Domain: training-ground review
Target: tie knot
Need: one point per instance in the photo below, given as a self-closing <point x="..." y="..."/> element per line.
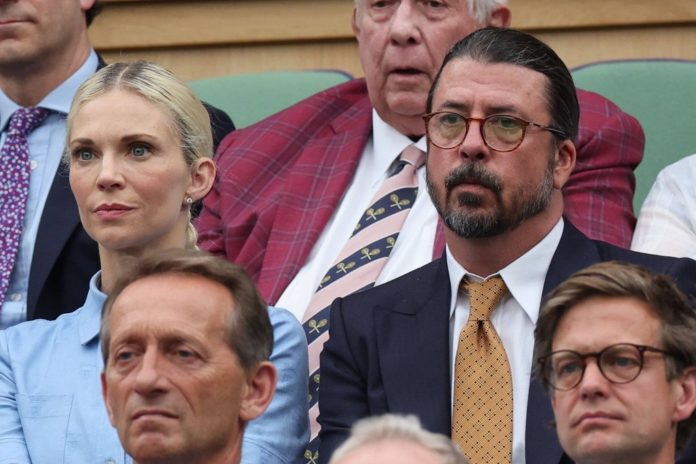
<point x="484" y="296"/>
<point x="24" y="120"/>
<point x="413" y="156"/>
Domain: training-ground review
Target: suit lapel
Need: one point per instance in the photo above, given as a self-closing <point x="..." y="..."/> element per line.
<point x="574" y="252"/>
<point x="413" y="347"/>
<point x="59" y="220"/>
<point x="344" y="139"/>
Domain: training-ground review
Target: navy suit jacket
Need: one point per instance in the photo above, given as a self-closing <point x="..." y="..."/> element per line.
<point x="389" y="348"/>
<point x="65" y="257"/>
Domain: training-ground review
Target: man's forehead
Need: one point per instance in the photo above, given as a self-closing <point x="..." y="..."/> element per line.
<point x="162" y="334"/>
<point x="173" y="296"/>
<point x="166" y="326"/>
<point x="601" y="318"/>
<point x="629" y="307"/>
<point x="498" y="85"/>
<point x="482" y="70"/>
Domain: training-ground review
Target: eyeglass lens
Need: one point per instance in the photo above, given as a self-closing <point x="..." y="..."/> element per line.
<point x="618" y="363"/>
<point x="499" y="132"/>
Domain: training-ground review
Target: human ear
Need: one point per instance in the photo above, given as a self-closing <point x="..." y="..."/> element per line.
<point x="105" y="389"/>
<point x="500" y="17"/>
<point x="354" y="23"/>
<point x="261" y="385"/>
<point x="686" y="399"/>
<point x="564" y="163"/>
<point x="202" y="178"/>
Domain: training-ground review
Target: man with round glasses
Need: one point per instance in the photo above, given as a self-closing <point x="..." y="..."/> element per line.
<point x="617" y="348"/>
<point x="452" y="342"/>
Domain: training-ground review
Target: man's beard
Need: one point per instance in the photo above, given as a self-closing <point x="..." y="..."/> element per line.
<point x="471" y="224"/>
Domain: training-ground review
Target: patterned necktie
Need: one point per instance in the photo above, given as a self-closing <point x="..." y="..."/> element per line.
<point x="14" y="187"/>
<point x="482" y="417"/>
<point x="359" y="264"/>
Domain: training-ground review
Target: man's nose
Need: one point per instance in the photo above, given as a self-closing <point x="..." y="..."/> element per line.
<point x="404" y="24"/>
<point x="148" y="378"/>
<point x="473" y="145"/>
<point x="593" y="382"/>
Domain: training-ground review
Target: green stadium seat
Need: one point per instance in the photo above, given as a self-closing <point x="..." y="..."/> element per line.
<point x="661" y="94"/>
<point x="248" y="98"/>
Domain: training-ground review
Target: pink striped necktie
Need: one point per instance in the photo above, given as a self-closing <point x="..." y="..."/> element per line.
<point x="14" y="187"/>
<point x="358" y="265"/>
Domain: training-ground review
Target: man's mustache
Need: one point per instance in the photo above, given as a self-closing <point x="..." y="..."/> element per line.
<point x="472" y="173"/>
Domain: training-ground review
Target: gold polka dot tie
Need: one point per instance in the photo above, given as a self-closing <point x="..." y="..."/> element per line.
<point x="482" y="417"/>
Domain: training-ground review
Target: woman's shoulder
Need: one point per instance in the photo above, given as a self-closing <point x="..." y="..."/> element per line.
<point x="287" y="330"/>
<point x="81" y="324"/>
<point x="28" y="338"/>
<point x="42" y="325"/>
<point x="282" y="319"/>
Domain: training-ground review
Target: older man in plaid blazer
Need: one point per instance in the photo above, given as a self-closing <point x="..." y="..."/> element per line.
<point x="287" y="183"/>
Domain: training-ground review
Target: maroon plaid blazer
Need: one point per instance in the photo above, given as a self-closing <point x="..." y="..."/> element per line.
<point x="280" y="180"/>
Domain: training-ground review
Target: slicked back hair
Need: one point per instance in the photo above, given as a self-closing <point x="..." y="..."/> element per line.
<point x="503" y="45"/>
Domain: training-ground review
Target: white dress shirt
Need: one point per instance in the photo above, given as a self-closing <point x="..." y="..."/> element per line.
<point x="46" y="145"/>
<point x="514" y="319"/>
<point x="414" y="246"/>
<point x="667" y="220"/>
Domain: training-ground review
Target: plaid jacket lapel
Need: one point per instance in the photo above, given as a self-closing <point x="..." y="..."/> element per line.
<point x="311" y="194"/>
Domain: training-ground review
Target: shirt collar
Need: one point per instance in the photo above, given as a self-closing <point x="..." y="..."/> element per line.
<point x="90" y="314"/>
<point x="523" y="277"/>
<point x="60" y="98"/>
<point x="389" y="142"/>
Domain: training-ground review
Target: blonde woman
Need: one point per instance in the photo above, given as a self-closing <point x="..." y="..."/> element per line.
<point x="139" y="149"/>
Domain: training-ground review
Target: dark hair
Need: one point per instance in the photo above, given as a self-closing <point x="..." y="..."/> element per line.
<point x="248" y="327"/>
<point x="502" y="45"/>
<point x="615" y="279"/>
<point x="93" y="11"/>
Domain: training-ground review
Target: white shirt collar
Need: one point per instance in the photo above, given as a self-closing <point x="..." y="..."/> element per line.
<point x="523" y="277"/>
<point x="389" y="142"/>
<point x="60" y="98"/>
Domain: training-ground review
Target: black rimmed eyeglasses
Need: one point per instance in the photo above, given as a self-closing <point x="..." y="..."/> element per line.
<point x="620" y="363"/>
<point x="500" y="132"/>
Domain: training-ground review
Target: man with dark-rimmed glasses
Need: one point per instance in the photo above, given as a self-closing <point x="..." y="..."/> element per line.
<point x="452" y="342"/>
<point x="616" y="348"/>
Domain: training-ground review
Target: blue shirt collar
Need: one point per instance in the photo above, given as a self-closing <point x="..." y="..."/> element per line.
<point x="90" y="313"/>
<point x="60" y="98"/>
